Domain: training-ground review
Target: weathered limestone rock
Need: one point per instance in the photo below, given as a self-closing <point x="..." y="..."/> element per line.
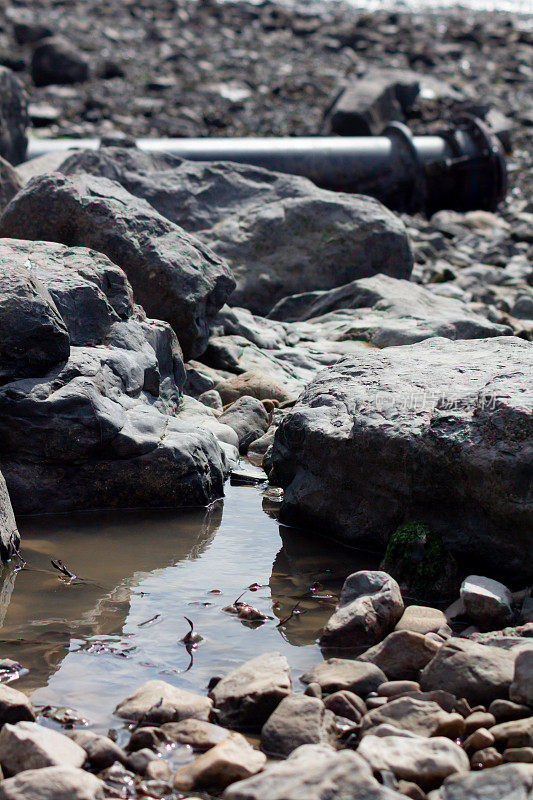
<point x="444" y="429"/>
<point x="427" y="762"/>
<point x="28" y="745"/>
<point x="13" y="118"/>
<point x="369" y="607"/>
<point x="297" y="720"/>
<point x="316" y="772"/>
<point x="422" y="717"/>
<point x="158" y="702"/>
<point x="231" y="760"/>
<point x="247" y="696"/>
<point x="15" y="706"/>
<point x="402" y="654"/>
<point x="487" y="602"/>
<point x="338" y="674"/>
<point x="277" y="232"/>
<point x="478" y="672"/>
<point x="174" y="276"/>
<point x="521" y="689"/>
<point x="52" y="783"/>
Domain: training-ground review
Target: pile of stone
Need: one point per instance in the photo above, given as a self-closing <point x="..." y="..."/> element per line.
<point x="422" y="713"/>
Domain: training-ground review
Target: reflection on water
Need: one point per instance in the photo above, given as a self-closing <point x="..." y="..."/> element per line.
<point x="89" y="641"/>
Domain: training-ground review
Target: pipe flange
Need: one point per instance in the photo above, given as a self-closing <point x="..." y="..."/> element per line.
<point x="402" y="136"/>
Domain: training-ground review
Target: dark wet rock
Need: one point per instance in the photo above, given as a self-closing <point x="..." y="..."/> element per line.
<point x="421" y="420"/>
<point x="297" y="720"/>
<point x="426" y="762"/>
<point x="147" y="737"/>
<point x="233" y="759"/>
<point x="487" y="602"/>
<point x="9" y="535"/>
<point x="10" y="183"/>
<point x="13" y="118"/>
<point x="480" y="673"/>
<point x="248" y="418"/>
<point x="34" y="336"/>
<point x="402" y="654"/>
<point x="52" y="783"/>
<point x="101" y="751"/>
<point x="56" y="60"/>
<point x="521" y="689"/>
<point x="316" y="772"/>
<point x="28" y="32"/>
<point x="337" y="674"/>
<point x="174" y="276"/>
<point x="27" y="745"/>
<point x="498" y="783"/>
<point x="275" y="231"/>
<point x="422" y="717"/>
<point x="369" y="607"/>
<point x="247" y="696"/>
<point x="140" y="760"/>
<point x="158" y="702"/>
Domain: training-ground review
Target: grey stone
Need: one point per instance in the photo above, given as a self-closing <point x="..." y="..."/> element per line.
<point x="422" y="421"/>
<point x="13" y="118"/>
<point x="480" y="673"/>
<point x="57" y="61"/>
<point x="251" y="384"/>
<point x="211" y="399"/>
<point x="27" y="745"/>
<point x="159" y="702"/>
<point x="247" y="696"/>
<point x="506" y="710"/>
<point x="52" y="783"/>
<point x="487" y="602"/>
<point x="297" y="720"/>
<point x="422" y="619"/>
<point x="174" y="276"/>
<point x="422" y="717"/>
<point x="9" y="535"/>
<point x="139" y="761"/>
<point x="248" y="418"/>
<point x="101" y="751"/>
<point x="516" y="733"/>
<point x="10" y="183"/>
<point x="402" y="654"/>
<point x="500" y="783"/>
<point x="15" y="706"/>
<point x="277" y="232"/>
<point x="232" y="760"/>
<point x="337" y="674"/>
<point x="346" y="704"/>
<point x="427" y="762"/>
<point x="518" y="755"/>
<point x="521" y="689"/>
<point x="198" y="734"/>
<point x="369" y="607"/>
<point x="314" y="772"/>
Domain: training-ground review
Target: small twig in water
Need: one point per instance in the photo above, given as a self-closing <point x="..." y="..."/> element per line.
<point x="148" y="621"/>
<point x="62" y="568"/>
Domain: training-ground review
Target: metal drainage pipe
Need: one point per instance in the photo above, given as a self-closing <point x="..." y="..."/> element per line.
<point x="461" y="169"/>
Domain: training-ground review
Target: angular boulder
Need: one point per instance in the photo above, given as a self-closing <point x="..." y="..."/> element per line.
<point x="369" y="607"/>
<point x="28" y="745"/>
<point x="174" y="276"/>
<point x="439" y="431"/>
<point x="487" y="602"/>
<point x="297" y="720"/>
<point x="402" y="654"/>
<point x="277" y="232"/>
<point x="247" y="696"/>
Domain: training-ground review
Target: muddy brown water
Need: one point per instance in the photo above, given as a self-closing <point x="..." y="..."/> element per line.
<point x="88" y="642"/>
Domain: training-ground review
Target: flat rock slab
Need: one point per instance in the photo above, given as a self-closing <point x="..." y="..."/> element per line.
<point x="422" y="619"/>
<point x="247" y="696"/>
<point x="53" y="783"/>
<point x="28" y="745"/>
<point x="174" y="276"/>
<point x="314" y="772"/>
<point x="158" y="702"/>
<point x="444" y="428"/>
<point x="337" y="674"/>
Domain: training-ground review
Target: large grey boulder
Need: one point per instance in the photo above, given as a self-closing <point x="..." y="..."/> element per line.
<point x="247" y="695"/>
<point x="9" y="535"/>
<point x="174" y="276"/>
<point x="440" y="432"/>
<point x="297" y="720"/>
<point x="101" y="427"/>
<point x="13" y="118"/>
<point x="28" y="745"/>
<point x="277" y="232"/>
<point x="500" y="783"/>
<point x="314" y="772"/>
<point x="481" y="673"/>
<point x="369" y="607"/>
<point x="52" y="783"/>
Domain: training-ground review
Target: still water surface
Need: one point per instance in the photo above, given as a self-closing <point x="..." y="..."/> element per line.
<point x="88" y="642"/>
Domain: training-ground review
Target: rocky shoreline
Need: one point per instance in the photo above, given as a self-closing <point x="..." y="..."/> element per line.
<point x="161" y="318"/>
